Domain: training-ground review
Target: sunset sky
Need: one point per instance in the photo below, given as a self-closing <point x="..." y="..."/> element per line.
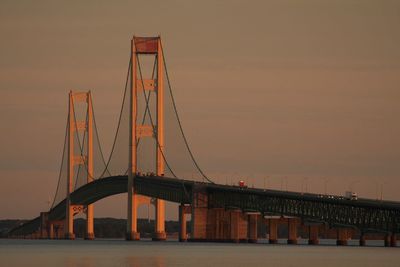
<point x="302" y="89"/>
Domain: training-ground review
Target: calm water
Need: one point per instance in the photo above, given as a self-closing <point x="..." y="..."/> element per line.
<point x="146" y="253"/>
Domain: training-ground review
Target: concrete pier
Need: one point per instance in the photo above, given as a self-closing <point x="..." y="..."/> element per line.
<point x="43" y="225"/>
<point x="218" y="224"/>
<point x="387" y="240"/>
<point x="313" y="231"/>
<point x="159" y="234"/>
<point x="393" y="240"/>
<point x="273" y="230"/>
<point x="199" y="216"/>
<point x="182" y="223"/>
<point x="252" y="228"/>
<point x="132" y="234"/>
<point x="342" y="236"/>
<point x="234" y="226"/>
<point x="69" y="222"/>
<point x="89" y="234"/>
<point x="363" y="241"/>
<point x="51" y="231"/>
<point x="292" y="231"/>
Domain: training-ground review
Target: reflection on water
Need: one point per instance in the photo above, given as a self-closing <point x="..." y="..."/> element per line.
<point x="81" y="253"/>
<point x="158" y="261"/>
<point x="72" y="261"/>
<point x="128" y="261"/>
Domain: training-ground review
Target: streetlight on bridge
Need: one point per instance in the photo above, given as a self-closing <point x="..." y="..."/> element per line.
<point x="326" y="180"/>
<point x="304" y="185"/>
<point x="286" y="182"/>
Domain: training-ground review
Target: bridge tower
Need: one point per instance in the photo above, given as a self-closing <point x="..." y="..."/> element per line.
<point x="73" y="160"/>
<point x="149" y="46"/>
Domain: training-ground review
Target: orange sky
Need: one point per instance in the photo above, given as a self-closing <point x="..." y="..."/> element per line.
<point x="281" y="88"/>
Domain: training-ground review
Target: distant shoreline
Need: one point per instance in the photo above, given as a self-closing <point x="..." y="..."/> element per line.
<point x="104" y="227"/>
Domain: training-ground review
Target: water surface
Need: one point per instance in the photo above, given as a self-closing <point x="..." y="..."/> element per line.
<point x="84" y="253"/>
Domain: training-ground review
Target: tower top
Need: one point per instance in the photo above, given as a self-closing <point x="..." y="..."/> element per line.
<point x="146" y="45"/>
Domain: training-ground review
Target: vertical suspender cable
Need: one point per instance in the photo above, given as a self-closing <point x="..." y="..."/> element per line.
<point x="179" y="121"/>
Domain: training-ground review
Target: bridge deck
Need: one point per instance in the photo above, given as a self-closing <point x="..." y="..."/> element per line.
<point x="364" y="214"/>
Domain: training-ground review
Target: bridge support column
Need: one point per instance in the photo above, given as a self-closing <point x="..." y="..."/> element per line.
<point x="363" y="241"/>
<point x="239" y="226"/>
<point x="252" y="228"/>
<point x="69" y="214"/>
<point x="58" y="231"/>
<point x="43" y="225"/>
<point x="89" y="235"/>
<point x="182" y="223"/>
<point x="342" y="237"/>
<point x="292" y="231"/>
<point x="51" y="231"/>
<point x="393" y="240"/>
<point x="160" y="205"/>
<point x="132" y="233"/>
<point x="74" y="127"/>
<point x="217" y="224"/>
<point x="221" y="229"/>
<point x="199" y="216"/>
<point x="390" y="240"/>
<point x="69" y="222"/>
<point x="160" y="234"/>
<point x="313" y="235"/>
<point x="273" y="230"/>
<point x="199" y="224"/>
<point x="387" y="240"/>
<point x="234" y="219"/>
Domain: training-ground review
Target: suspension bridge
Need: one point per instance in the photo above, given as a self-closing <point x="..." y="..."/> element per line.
<point x="151" y="161"/>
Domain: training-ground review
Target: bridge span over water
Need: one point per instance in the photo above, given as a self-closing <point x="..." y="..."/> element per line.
<point x="364" y="215"/>
<point x="218" y="212"/>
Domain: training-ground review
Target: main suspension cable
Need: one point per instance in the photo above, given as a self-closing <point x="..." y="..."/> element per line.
<point x="98" y="138"/>
<point x="62" y="163"/>
<point x="147" y="97"/>
<point x="151" y="119"/>
<point x="179" y="121"/>
<point x="119" y="120"/>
